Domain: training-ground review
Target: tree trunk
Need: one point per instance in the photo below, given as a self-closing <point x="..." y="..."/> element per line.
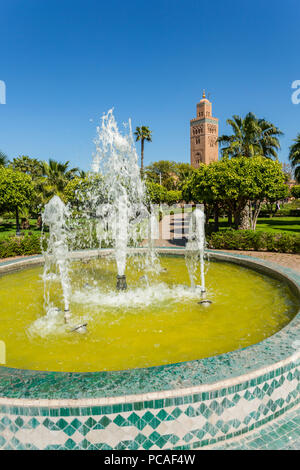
<point x="244" y="218"/>
<point x="256" y="207"/>
<point x="230" y="219"/>
<point x="18" y="233"/>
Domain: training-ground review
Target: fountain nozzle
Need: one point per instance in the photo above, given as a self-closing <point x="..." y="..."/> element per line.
<point x="121" y="282"/>
<point x="67" y="315"/>
<point x="80" y="328"/>
<point x="204" y="300"/>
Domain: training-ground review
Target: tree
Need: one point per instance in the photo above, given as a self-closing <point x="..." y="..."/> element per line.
<point x="162" y="172"/>
<point x="295" y="191"/>
<point x="156" y="192"/>
<point x="230" y="184"/>
<point x="56" y="176"/>
<point x="288" y="172"/>
<point x="16" y="192"/>
<point x="294" y="156"/>
<point x="86" y="193"/>
<point x="34" y="168"/>
<point x="143" y="134"/>
<point x="205" y="187"/>
<point x="28" y="165"/>
<point x="251" y="136"/>
<point x="170" y="174"/>
<point x="3" y="159"/>
<point x="173" y="197"/>
<point x="183" y="171"/>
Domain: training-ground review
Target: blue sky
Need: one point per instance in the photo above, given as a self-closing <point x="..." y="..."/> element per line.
<point x="66" y="62"/>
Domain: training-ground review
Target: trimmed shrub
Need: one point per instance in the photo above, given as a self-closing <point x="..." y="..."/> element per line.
<point x="18" y="246"/>
<point x="247" y="240"/>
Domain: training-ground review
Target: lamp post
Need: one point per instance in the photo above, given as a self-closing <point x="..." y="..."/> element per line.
<point x="18" y="233"/>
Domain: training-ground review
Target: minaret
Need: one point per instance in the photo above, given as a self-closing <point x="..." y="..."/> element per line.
<point x="204" y="134"/>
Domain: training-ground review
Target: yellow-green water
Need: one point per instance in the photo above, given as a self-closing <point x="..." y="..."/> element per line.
<point x="145" y="326"/>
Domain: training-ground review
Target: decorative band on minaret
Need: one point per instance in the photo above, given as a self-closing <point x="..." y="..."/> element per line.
<point x="204" y="134"/>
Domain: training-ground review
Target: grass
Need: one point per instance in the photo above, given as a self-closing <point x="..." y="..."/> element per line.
<point x="274" y="224"/>
<point x="8" y="228"/>
<point x="281" y="224"/>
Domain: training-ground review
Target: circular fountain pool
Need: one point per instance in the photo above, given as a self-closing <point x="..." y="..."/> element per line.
<point x="157" y="321"/>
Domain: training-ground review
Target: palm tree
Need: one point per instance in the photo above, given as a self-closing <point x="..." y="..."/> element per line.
<point x="3" y="159"/>
<point x="143" y="133"/>
<point x="56" y="176"/>
<point x="251" y="136"/>
<point x="82" y="174"/>
<point x="294" y="156"/>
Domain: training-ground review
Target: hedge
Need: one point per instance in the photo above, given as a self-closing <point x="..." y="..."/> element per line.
<point x="284" y="212"/>
<point x="226" y="239"/>
<point x="18" y="246"/>
<point x="258" y="241"/>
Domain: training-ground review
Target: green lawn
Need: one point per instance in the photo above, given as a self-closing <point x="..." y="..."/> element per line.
<point x="274" y="224"/>
<point x="8" y="227"/>
<point x="281" y="224"/>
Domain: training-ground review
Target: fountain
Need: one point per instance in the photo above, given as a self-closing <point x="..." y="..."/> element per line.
<point x="195" y="251"/>
<point x="154" y="369"/>
<point x="57" y="254"/>
<point x="116" y="159"/>
<point x="119" y="203"/>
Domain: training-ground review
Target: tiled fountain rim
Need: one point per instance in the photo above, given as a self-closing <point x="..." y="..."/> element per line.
<point x="206" y="377"/>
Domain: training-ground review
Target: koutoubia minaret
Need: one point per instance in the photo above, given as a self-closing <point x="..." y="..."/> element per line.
<point x="204" y="134"/>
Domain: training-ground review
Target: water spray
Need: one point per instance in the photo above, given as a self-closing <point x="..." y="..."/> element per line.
<point x="195" y="250"/>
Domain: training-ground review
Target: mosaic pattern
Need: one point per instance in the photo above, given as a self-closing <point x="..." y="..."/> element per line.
<point x="185" y="422"/>
<point x="180" y="406"/>
<point x="282" y="434"/>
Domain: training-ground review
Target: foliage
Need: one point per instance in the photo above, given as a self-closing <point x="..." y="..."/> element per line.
<point x="28" y="165"/>
<point x="17" y="246"/>
<point x="183" y="172"/>
<point x="251" y="136"/>
<point x="288" y="172"/>
<point x="294" y="156"/>
<point x="295" y="191"/>
<point x="34" y="168"/>
<point x="143" y="134"/>
<point x="230" y="184"/>
<point x="3" y="159"/>
<point x="162" y="172"/>
<point x="55" y="178"/>
<point x="158" y="194"/>
<point x="250" y="240"/>
<point x="171" y="175"/>
<point x="16" y="189"/>
<point x="78" y="191"/>
<point x="173" y="197"/>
